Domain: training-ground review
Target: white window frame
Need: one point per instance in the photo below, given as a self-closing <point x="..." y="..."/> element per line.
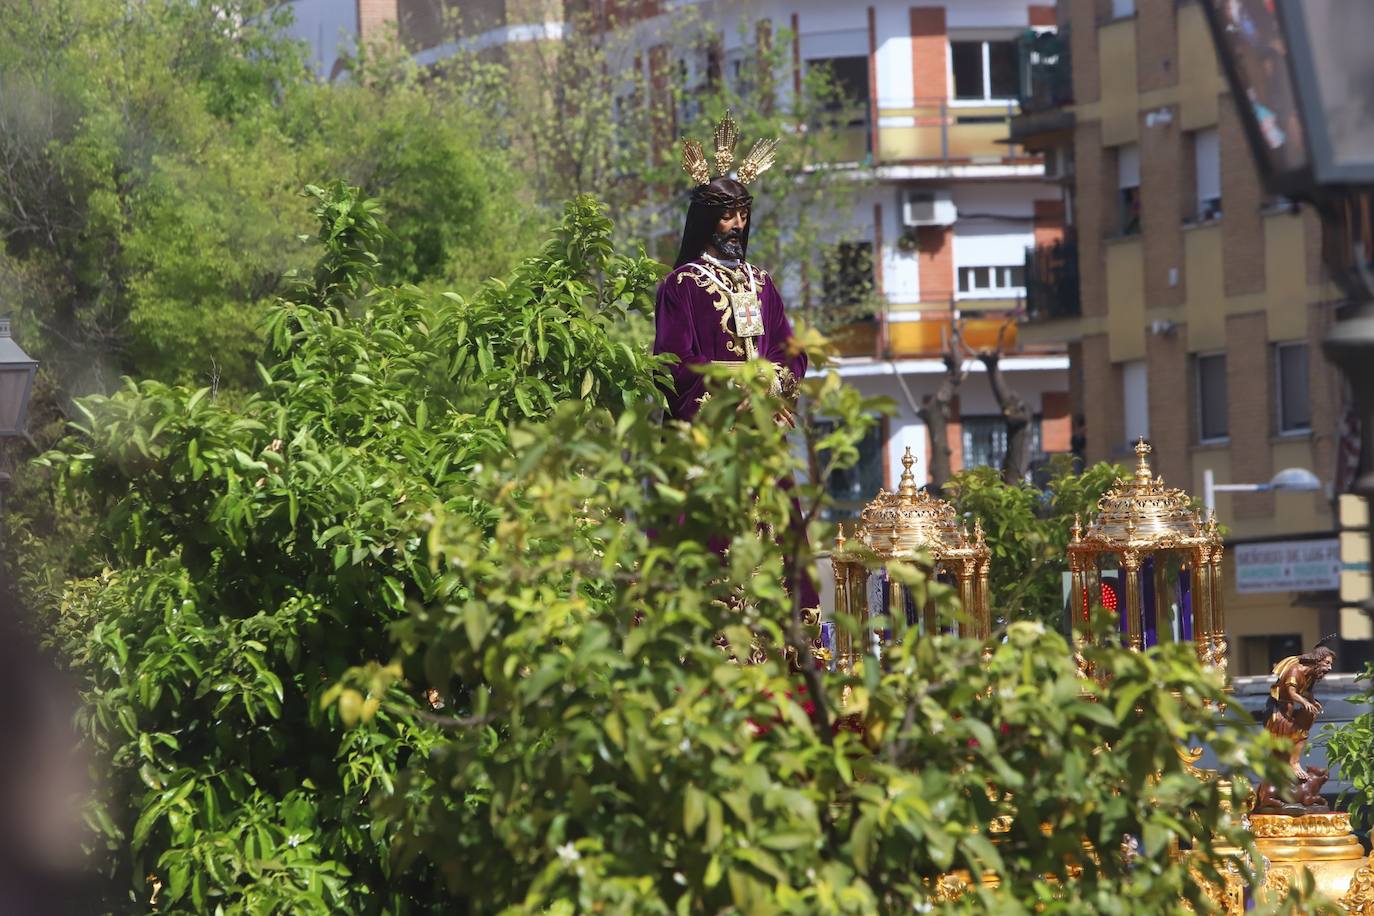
<point x="1135" y="399"/>
<point x="1000" y="272"/>
<point x="983" y="39"/>
<point x="1207" y="174"/>
<point x="1197" y="385"/>
<point x="1127" y="179"/>
<point x="1278" y="389"/>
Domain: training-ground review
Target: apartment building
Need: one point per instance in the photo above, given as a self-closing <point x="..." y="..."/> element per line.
<point x="1192" y="305"/>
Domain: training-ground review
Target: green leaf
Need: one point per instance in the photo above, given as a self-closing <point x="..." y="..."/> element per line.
<point x="693" y="809"/>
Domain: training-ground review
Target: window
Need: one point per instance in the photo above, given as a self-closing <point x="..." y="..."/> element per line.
<point x="1135" y="400"/>
<point x="985" y="440"/>
<point x="1122" y="8"/>
<point x="851" y="488"/>
<point x="847" y="274"/>
<point x="1128" y="194"/>
<point x="1211" y="397"/>
<point x="985" y="70"/>
<point x="1207" y="174"/>
<point x="847" y="78"/>
<point x="1295" y="407"/>
<point x="1009" y="280"/>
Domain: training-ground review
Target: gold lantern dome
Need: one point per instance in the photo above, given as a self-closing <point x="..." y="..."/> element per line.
<point x="1166" y="561"/>
<point x="906" y="525"/>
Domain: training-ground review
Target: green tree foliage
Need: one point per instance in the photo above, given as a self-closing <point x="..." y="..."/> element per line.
<point x="260" y="548"/>
<point x="1027" y="530"/>
<point x="1350" y="747"/>
<point x="150" y="154"/>
<point x="476" y="497"/>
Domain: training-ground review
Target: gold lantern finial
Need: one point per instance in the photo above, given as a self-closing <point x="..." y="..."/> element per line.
<point x="906" y="488"/>
<point x="1143" y="474"/>
<point x="839" y="536"/>
<point x="1077" y="527"/>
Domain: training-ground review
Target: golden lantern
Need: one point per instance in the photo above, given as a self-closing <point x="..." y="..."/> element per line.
<point x="906" y="525"/>
<point x="1165" y="560"/>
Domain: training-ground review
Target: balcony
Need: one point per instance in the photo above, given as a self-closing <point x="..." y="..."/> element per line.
<point x="927" y="336"/>
<point x="846" y="133"/>
<point x="1052" y="281"/>
<point x="1046" y="97"/>
<point x="942" y="131"/>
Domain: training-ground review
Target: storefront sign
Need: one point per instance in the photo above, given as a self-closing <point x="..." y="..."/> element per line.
<point x="1289" y="566"/>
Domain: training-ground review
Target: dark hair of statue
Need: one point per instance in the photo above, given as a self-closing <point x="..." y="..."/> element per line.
<point x="709" y="203"/>
<point x="1316" y="655"/>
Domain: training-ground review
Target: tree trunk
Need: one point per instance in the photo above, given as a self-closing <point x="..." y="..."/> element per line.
<point x="1017" y="415"/>
<point x="934" y="413"/>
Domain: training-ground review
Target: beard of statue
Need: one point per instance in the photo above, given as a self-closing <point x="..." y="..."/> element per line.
<point x="730" y="244"/>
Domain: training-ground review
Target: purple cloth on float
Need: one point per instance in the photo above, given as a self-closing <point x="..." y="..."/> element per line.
<point x="1122" y="605"/>
<point x="687" y="323"/>
<point x="1147" y="602"/>
<point x="1185" y="605"/>
<point x="690" y="322"/>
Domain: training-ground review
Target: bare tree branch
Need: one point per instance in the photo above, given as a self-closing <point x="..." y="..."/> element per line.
<point x="1015" y="412"/>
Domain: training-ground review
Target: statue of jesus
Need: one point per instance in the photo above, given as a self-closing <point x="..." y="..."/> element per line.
<point x="717" y="307"/>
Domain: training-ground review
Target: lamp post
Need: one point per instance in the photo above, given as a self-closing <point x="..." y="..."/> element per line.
<point x="1302" y="77"/>
<point x="17" y="370"/>
<point x="1287" y="479"/>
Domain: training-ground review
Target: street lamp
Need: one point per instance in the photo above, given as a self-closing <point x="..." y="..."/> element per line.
<point x="1287" y="479"/>
<point x="17" y="370"/>
<point x="1302" y="77"/>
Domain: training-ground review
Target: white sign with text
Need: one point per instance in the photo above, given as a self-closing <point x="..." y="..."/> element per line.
<point x="1289" y="566"/>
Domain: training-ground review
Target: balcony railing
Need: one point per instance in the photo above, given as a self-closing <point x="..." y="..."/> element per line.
<point x="928" y="336"/>
<point x="941" y="130"/>
<point x="1046" y="71"/>
<point x="1052" y="281"/>
<point x="846" y="133"/>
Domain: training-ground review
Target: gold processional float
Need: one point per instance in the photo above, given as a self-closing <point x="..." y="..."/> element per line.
<point x="1153" y="560"/>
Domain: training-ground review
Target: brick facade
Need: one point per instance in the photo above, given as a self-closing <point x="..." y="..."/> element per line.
<point x="1087" y="79"/>
<point x="929" y="57"/>
<point x="1095" y="199"/>
<point x="1048" y="221"/>
<point x="1250" y="410"/>
<point x="1161" y="149"/>
<point x="1101" y="400"/>
<point x="1168" y="368"/>
<point x="1156" y="43"/>
<point x="1242" y="224"/>
<point x="935" y="262"/>
<point x="1056" y="426"/>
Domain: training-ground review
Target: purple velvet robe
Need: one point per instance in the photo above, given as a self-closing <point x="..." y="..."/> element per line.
<point x="691" y="322"/>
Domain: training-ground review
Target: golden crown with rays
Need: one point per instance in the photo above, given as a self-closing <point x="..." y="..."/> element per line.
<point x="759" y="160"/>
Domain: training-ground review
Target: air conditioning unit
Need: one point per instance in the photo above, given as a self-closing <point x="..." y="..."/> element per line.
<point x="927" y="208"/>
